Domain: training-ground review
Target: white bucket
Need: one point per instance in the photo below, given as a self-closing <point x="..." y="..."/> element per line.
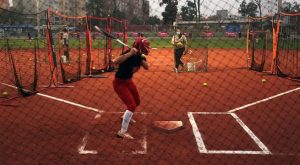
<point x="64" y="59"/>
<point x="191" y="67"/>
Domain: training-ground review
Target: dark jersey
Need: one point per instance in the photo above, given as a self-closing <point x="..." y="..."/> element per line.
<point x="128" y="67"/>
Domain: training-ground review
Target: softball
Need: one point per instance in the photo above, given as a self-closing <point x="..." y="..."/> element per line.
<point x="5" y="94"/>
<point x="263" y="80"/>
<point x="205" y="84"/>
<point x="93" y="68"/>
<point x="97" y="116"/>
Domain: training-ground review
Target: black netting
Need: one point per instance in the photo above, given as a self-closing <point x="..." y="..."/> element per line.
<point x="288" y="57"/>
<point x="99" y="54"/>
<point x="260" y="45"/>
<point x="68" y="36"/>
<point x="92" y="100"/>
<point x="23" y="54"/>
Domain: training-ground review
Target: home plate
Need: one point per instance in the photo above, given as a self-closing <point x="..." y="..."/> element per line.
<point x="169" y="126"/>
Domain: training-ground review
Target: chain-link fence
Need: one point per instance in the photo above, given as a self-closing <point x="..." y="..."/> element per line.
<point x="218" y="84"/>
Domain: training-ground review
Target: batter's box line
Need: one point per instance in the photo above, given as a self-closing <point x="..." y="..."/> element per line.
<point x="83" y="151"/>
<point x="81" y="147"/>
<point x="201" y="144"/>
<point x="140" y="113"/>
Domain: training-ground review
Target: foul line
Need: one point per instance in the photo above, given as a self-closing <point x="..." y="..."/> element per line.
<point x="61" y="100"/>
<point x="263" y="100"/>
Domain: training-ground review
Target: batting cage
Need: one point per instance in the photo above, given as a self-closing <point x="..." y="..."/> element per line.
<point x="69" y="41"/>
<point x="98" y="42"/>
<point x="195" y="56"/>
<point x="288" y="45"/>
<point x="24" y="68"/>
<point x="260" y="43"/>
<point x="149" y="82"/>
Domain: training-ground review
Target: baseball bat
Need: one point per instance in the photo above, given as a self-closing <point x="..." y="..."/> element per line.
<point x="111" y="36"/>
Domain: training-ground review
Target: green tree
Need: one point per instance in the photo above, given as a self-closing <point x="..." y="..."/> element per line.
<point x="252" y="9"/>
<point x="189" y="12"/>
<point x="170" y="13"/>
<point x="258" y="3"/>
<point x="295" y="7"/>
<point x="96" y="8"/>
<point x="199" y="13"/>
<point x="136" y="21"/>
<point x="153" y="20"/>
<point x="197" y="8"/>
<point x="287" y="7"/>
<point x="243" y="8"/>
<point x="118" y="14"/>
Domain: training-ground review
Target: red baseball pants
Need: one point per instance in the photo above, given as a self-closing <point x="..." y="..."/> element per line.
<point x="127" y="92"/>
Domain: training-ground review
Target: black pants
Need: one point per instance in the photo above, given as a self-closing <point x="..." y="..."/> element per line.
<point x="66" y="52"/>
<point x="178" y="52"/>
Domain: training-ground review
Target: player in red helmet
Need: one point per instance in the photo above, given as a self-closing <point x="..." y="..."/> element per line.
<point x="129" y="63"/>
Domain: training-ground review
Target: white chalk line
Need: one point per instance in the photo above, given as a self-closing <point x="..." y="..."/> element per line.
<point x="251" y="134"/>
<point x="210" y="113"/>
<point x="62" y="100"/>
<point x="263" y="100"/>
<point x="235" y="152"/>
<point x="265" y="150"/>
<point x="82" y="145"/>
<point x="143" y="141"/>
<point x="201" y="145"/>
<point x="197" y="134"/>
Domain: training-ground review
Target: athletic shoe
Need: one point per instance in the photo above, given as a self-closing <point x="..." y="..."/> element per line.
<point x="176" y="70"/>
<point x="120" y="134"/>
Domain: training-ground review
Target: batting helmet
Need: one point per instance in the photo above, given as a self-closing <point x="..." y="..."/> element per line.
<point x="142" y="45"/>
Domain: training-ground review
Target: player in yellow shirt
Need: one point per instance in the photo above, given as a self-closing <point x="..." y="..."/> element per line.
<point x="179" y="41"/>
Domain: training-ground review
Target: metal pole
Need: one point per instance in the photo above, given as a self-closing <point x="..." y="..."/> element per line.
<point x="38" y="18"/>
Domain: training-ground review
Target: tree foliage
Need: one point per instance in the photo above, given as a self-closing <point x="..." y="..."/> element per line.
<point x="291" y="7"/>
<point x="153" y="20"/>
<point x="136" y="21"/>
<point x="189" y="12"/>
<point x="243" y="8"/>
<point x="118" y="14"/>
<point x="170" y="13"/>
<point x="296" y="7"/>
<point x="252" y="9"/>
<point x="248" y="9"/>
<point x="96" y="8"/>
<point x="197" y="6"/>
<point x="258" y="3"/>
